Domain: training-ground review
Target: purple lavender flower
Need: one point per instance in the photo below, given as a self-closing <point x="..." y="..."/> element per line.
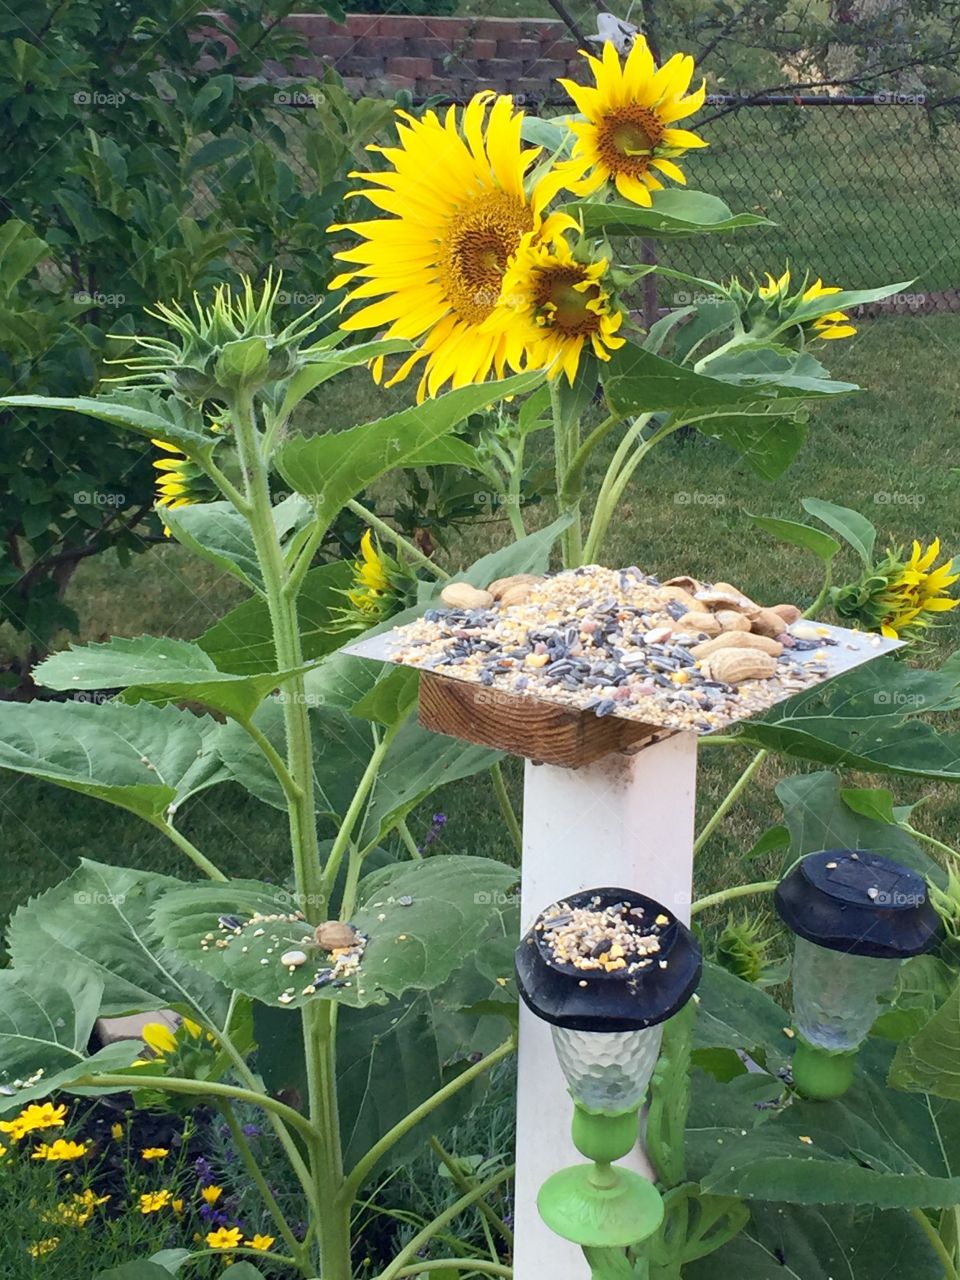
<point x="436" y="826"/>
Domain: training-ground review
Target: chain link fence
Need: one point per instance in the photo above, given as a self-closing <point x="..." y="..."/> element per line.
<point x="863" y="192"/>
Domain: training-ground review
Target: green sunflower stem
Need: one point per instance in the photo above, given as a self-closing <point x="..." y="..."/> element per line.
<point x="318" y="1017"/>
<point x="506" y="807"/>
<point x="403" y="544"/>
<point x="618" y="476"/>
<point x="566" y="441"/>
<point x="824" y="595"/>
<point x="269" y="1199"/>
<point x="731" y="895"/>
<point x="730" y="799"/>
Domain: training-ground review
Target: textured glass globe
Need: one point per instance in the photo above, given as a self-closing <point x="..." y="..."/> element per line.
<point x="836" y="995"/>
<point x="608" y="1070"/>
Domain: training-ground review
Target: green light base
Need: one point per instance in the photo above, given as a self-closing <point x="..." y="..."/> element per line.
<point x="822" y="1074"/>
<point x="600" y="1206"/>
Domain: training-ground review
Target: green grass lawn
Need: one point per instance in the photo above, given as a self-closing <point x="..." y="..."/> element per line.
<point x="896" y="439"/>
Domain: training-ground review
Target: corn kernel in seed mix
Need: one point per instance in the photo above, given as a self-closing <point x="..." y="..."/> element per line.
<point x="613" y="939"/>
<point x="615" y="642"/>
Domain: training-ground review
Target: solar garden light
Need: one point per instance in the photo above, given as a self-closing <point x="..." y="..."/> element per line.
<point x="606" y="968"/>
<point x="856" y="917"/>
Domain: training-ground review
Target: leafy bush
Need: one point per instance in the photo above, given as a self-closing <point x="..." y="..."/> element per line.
<point x="149" y="154"/>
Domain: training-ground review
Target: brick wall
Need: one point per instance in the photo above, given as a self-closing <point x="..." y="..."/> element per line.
<point x="451" y="57"/>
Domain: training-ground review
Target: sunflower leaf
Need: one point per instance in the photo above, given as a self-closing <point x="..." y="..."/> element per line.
<point x="158" y="669"/>
<point x="324" y="365"/>
<point x="855" y="529"/>
<point x="142" y="758"/>
<point x="242" y="641"/>
<point x="799" y="535"/>
<point x="674" y="214"/>
<point x="331" y="469"/>
<point x="421" y="921"/>
<point x="219" y="533"/>
<point x="148" y="413"/>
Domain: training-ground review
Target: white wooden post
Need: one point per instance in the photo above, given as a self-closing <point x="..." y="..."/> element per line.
<point x="624" y="821"/>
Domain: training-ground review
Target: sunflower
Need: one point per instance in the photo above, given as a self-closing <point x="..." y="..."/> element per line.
<point x="558" y="305"/>
<point x="626" y="135"/>
<point x="181" y="483"/>
<point x="900" y="598"/>
<point x="834" y="324"/>
<point x="381" y="587"/>
<point x="462" y="196"/>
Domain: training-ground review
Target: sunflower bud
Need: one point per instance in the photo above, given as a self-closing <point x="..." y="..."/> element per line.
<point x="769" y="309"/>
<point x="899" y="597"/>
<point x="228" y="347"/>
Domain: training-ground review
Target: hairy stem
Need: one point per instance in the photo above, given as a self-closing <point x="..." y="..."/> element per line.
<point x="729" y="895"/>
<point x="290" y="787"/>
<point x="618" y="475"/>
<point x="413" y="1247"/>
<point x="199" y="860"/>
<point x="208" y="1089"/>
<point x="458" y="1264"/>
<point x="730" y="799"/>
<point x="412" y="552"/>
<point x="269" y="1199"/>
<point x="465" y="1184"/>
<point x="326" y="1160"/>
<point x="936" y="1244"/>
<point x="367" y="1163"/>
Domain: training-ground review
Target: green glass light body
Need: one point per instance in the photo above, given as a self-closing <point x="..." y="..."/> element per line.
<point x="836" y="1000"/>
<point x="601" y="1206"/>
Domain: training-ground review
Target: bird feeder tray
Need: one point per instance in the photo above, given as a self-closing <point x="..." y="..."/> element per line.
<point x="591" y="663"/>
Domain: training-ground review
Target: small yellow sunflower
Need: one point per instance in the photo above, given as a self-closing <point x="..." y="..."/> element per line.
<point x="181" y="483"/>
<point x="835" y="324"/>
<point x="381" y="587"/>
<point x="626" y="136"/>
<point x="461" y="194"/>
<point x="901" y="598"/>
<point x="558" y="306"/>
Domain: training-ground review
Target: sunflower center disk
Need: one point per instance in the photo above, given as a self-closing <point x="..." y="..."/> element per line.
<point x="481" y="238"/>
<point x="562" y="306"/>
<point x="629" y="139"/>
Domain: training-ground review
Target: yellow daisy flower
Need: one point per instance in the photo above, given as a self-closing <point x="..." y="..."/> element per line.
<point x="461" y="196"/>
<point x="38" y="1115"/>
<point x="211" y="1194"/>
<point x="558" y="306"/>
<point x="224" y="1238"/>
<point x="61" y="1149"/>
<point x="79" y="1210"/>
<point x="154" y="1201"/>
<point x="43" y="1247"/>
<point x="263" y="1243"/>
<point x="116" y="1132"/>
<point x="154" y="1153"/>
<point x="626" y="136"/>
